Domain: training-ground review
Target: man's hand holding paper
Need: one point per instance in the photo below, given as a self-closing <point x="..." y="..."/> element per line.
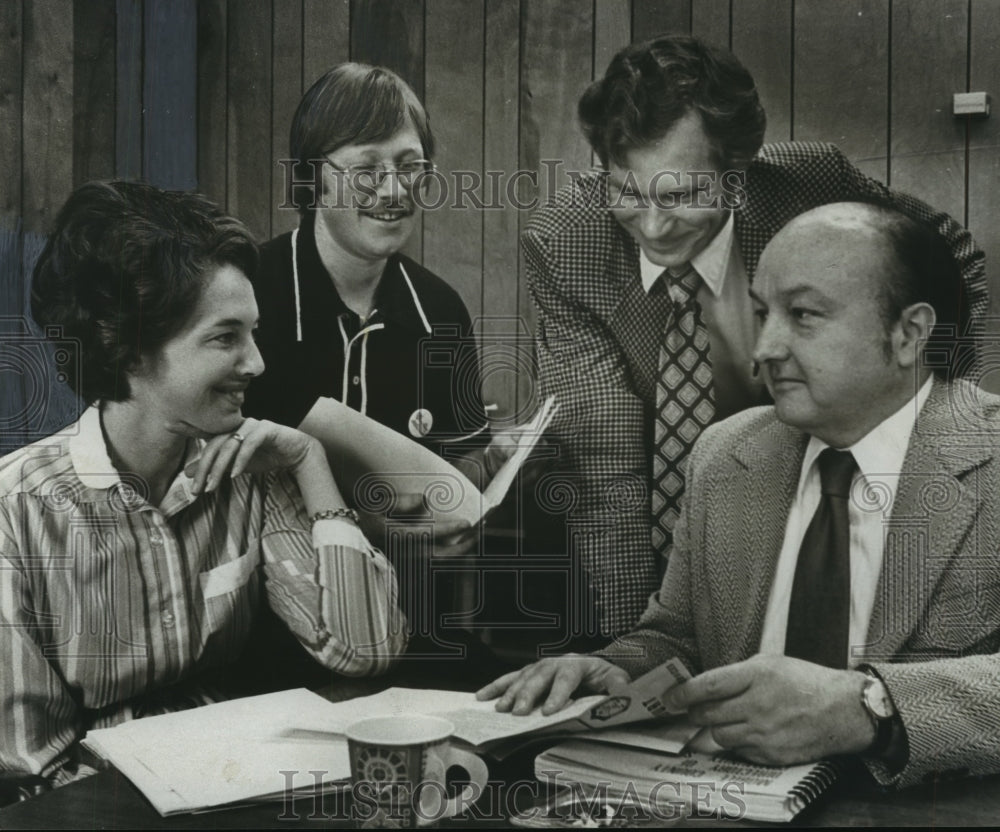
<point x="778" y="710"/>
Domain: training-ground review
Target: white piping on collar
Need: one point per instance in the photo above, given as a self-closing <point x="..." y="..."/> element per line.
<point x="295" y="278"/>
<point x="298" y="297"/>
<point x="416" y="300"/>
<point x="347" y="358"/>
<point x="348" y="346"/>
<point x="364" y="374"/>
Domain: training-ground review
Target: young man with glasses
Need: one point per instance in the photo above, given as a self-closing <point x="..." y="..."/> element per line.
<point x="345" y="315"/>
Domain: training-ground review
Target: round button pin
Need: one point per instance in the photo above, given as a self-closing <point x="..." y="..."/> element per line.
<point x="421" y="422"/>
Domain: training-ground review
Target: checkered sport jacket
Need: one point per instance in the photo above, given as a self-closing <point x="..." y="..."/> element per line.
<point x="597" y="345"/>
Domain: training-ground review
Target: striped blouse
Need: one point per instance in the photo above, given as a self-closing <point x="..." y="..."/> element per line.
<point x="112" y="608"/>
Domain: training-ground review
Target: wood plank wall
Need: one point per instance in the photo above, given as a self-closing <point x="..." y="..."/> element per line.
<point x="200" y="93"/>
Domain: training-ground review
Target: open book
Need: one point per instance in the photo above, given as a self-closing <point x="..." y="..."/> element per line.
<point x="374" y="463"/>
<point x="261" y="747"/>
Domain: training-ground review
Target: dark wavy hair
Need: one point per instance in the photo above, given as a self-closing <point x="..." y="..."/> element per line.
<point x="351" y="103"/>
<point x="124" y="269"/>
<point x="648" y="87"/>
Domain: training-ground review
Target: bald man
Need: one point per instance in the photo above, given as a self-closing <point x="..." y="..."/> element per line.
<point x="834" y="580"/>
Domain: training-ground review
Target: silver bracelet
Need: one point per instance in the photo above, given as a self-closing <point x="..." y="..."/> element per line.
<point x="334" y="513"/>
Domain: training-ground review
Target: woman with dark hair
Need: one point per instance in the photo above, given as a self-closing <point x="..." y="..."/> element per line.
<point x="137" y="544"/>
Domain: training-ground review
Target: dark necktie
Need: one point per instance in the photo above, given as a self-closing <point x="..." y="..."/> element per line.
<point x="685" y="399"/>
<point x="820" y="609"/>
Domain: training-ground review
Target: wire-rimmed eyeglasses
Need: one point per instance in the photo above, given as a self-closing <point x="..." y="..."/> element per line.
<point x="367" y="176"/>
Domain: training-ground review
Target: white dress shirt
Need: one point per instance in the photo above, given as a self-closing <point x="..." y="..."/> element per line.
<point x="727" y="312"/>
<point x="879" y="455"/>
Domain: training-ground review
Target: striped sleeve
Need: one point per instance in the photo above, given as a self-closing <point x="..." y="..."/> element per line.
<point x="334" y="590"/>
<point x="40" y="722"/>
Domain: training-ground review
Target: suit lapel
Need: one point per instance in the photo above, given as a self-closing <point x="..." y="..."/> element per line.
<point x="763" y="477"/>
<point x="637" y="327"/>
<point x="935" y="510"/>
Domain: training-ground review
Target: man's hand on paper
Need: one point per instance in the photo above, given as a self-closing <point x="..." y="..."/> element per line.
<point x="778" y="710"/>
<point x="504" y="445"/>
<point x="556" y="679"/>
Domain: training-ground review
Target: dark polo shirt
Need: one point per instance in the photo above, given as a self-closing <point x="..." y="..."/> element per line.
<point x="412" y="365"/>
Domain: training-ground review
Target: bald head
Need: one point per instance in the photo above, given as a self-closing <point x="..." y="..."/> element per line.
<point x="909" y="263"/>
<point x="848" y="296"/>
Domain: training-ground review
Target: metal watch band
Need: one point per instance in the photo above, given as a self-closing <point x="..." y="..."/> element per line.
<point x="334" y="513"/>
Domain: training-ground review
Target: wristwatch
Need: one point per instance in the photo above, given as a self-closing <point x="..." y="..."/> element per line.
<point x="878" y="705"/>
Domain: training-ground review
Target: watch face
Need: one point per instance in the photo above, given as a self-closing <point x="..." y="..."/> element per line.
<point x="877" y="699"/>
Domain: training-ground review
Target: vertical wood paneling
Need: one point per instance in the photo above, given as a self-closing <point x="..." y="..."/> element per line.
<point x="48" y="111"/>
<point x="11" y="96"/>
<point x="710" y="21"/>
<point x="984" y="151"/>
<point x="612" y="31"/>
<point x="12" y="308"/>
<point x="12" y="386"/>
<point x="841" y="94"/>
<point x="169" y="94"/>
<point x="501" y="79"/>
<point x="47" y="179"/>
<point x="286" y="58"/>
<point x="13" y="322"/>
<point x="555" y="69"/>
<point x="556" y="61"/>
<point x="93" y="90"/>
<point x="212" y="104"/>
<point x="326" y="37"/>
<point x="453" y="234"/>
<point x="390" y="33"/>
<point x="928" y="153"/>
<point x="656" y="17"/>
<point x="505" y="350"/>
<point x="249" y="114"/>
<point x="128" y="90"/>
<point x="762" y="40"/>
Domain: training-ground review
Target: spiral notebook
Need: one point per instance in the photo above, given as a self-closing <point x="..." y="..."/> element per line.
<point x="703" y="783"/>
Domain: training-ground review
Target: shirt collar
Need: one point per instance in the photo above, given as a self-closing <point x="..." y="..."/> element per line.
<point x="881" y="451"/>
<point x="89" y="454"/>
<point x="92" y="463"/>
<point x="395" y="300"/>
<point x="711" y="263"/>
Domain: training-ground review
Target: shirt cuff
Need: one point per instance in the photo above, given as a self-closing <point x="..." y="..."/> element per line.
<point x="339" y="532"/>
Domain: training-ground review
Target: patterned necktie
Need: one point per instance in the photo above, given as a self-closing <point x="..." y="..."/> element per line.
<point x="685" y="399"/>
<point x="820" y="610"/>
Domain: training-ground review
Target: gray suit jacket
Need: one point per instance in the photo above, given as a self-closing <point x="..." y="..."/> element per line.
<point x="934" y="633"/>
<point x="597" y="341"/>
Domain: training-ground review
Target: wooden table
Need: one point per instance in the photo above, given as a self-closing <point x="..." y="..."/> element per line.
<point x="109" y="801"/>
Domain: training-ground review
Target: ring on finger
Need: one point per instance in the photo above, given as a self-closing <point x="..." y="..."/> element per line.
<point x="237" y="437"/>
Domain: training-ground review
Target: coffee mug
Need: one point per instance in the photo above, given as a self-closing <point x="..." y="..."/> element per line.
<point x="398" y="767"/>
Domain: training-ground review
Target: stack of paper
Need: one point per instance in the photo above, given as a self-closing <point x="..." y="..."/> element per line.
<point x="229" y="753"/>
<point x="261" y="747"/>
